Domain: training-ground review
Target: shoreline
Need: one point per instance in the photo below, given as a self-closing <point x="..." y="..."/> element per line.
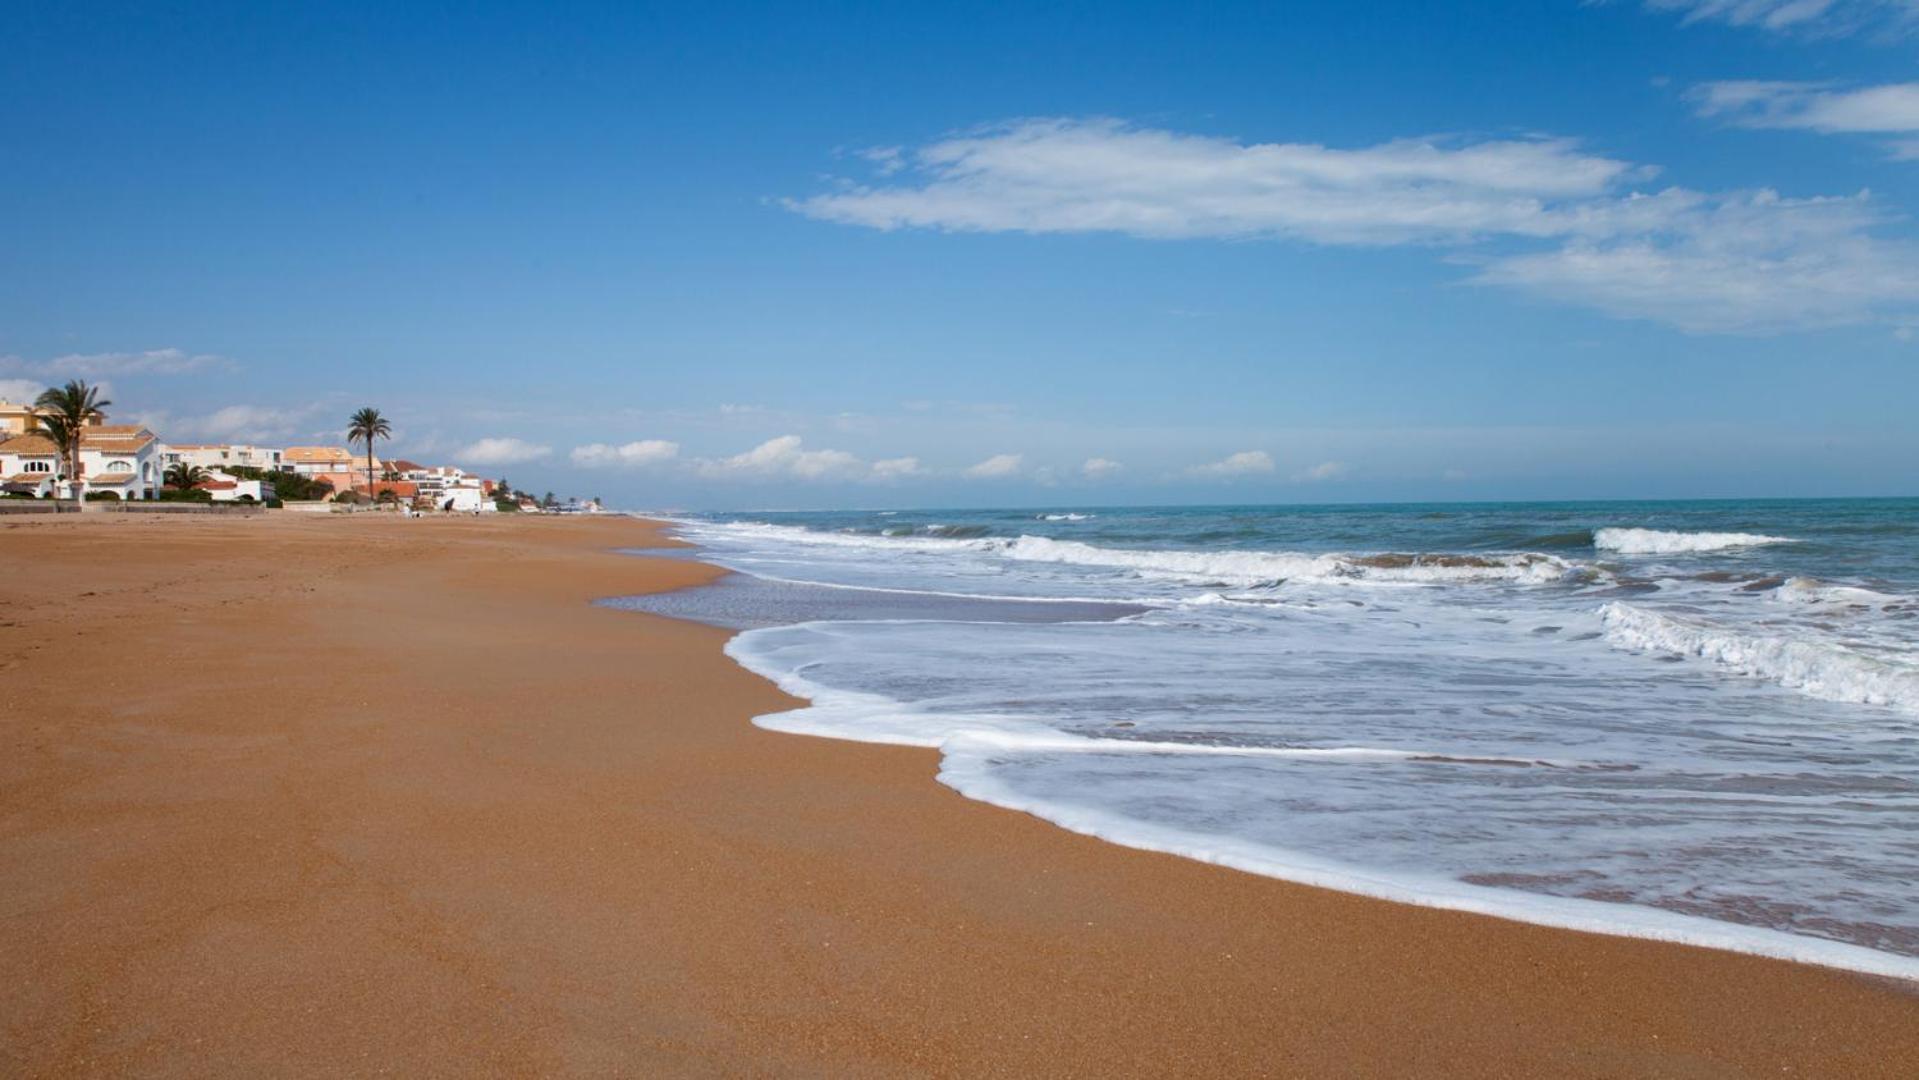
<point x="968" y="779"/>
<point x="452" y="816"/>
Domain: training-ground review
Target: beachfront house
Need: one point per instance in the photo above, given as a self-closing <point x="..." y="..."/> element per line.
<point x="28" y="465"/>
<point x="19" y="419"/>
<point x="122" y="460"/>
<point x="446" y="487"/>
<point x="335" y="464"/>
<point x="223" y="456"/>
<point x="225" y="487"/>
<point x="16" y="419"/>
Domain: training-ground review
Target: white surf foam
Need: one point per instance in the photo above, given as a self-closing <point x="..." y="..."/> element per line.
<point x="974" y="745"/>
<point x="1657" y="542"/>
<point x="1826" y="670"/>
<point x="1237" y="568"/>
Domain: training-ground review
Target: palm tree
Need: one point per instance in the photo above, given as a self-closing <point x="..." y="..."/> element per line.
<point x="364" y="427"/>
<point x="186" y="476"/>
<point x="64" y="413"/>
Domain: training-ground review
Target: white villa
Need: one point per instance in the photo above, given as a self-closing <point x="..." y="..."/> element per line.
<point x="222" y="456"/>
<point x="447" y="487"/>
<point x="225" y="487"/>
<point x="120" y="458"/>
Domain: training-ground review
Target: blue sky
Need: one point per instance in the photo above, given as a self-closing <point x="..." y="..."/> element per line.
<point x="838" y="254"/>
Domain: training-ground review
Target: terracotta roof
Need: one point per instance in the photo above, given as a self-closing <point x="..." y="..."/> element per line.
<point x="218" y="485"/>
<point x="116" y="433"/>
<point x="109" y="478"/>
<point x="29" y="477"/>
<point x="29" y="445"/>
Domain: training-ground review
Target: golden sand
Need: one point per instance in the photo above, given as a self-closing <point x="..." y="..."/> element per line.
<point x="356" y="794"/>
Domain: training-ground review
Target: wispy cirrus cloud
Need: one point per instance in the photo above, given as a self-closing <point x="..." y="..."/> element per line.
<point x="1891" y="109"/>
<point x="1539" y="215"/>
<point x="1754" y="264"/>
<point x="244" y="423"/>
<point x="1819" y="18"/>
<point x="1104" y="175"/>
<point x="107" y="365"/>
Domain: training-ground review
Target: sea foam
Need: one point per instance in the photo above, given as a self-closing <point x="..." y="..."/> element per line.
<point x="1490" y="727"/>
<point x="1826" y="670"/>
<point x="976" y="748"/>
<point x="1657" y="542"/>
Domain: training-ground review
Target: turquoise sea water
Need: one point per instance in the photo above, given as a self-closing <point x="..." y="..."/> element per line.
<point x="1696" y="721"/>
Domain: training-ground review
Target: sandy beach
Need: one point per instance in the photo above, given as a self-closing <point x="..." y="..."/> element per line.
<point x="344" y="795"/>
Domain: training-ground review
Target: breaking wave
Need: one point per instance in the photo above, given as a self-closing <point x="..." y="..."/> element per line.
<point x="1657" y="542"/>
<point x="1824" y="670"/>
<point x="1233" y="568"/>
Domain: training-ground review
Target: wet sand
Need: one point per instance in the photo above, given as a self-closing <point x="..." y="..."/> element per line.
<point x="356" y="794"/>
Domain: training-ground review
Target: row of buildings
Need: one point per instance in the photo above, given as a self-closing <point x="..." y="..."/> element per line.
<point x="131" y="462"/>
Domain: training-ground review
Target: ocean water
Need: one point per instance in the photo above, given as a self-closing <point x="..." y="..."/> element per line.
<point x="1689" y="721"/>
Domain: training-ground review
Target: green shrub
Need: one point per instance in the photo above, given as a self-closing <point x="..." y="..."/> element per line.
<point x="103" y="496"/>
<point x="273" y="503"/>
<point x="506" y="506"/>
<point x="176" y="495"/>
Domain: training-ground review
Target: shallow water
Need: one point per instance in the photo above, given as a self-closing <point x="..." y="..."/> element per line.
<point x="1688" y="721"/>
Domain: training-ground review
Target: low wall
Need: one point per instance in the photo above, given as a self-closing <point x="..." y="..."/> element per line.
<point x="37" y="506"/>
<point x="138" y="506"/>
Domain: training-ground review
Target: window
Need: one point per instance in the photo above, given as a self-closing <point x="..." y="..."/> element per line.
<point x="39" y="466"/>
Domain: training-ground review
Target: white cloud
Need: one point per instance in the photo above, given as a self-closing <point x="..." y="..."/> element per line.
<point x="1891" y="109"/>
<point x="784" y="458"/>
<point x="20" y="391"/>
<point x="500" y="450"/>
<point x="150" y="362"/>
<point x="640" y="454"/>
<point x="997" y="467"/>
<point x="1817" y="17"/>
<point x="886" y="160"/>
<point x="1102" y="175"/>
<point x="1567" y="224"/>
<point x="259" y="424"/>
<point x="1753" y="264"/>
<point x="1325" y="470"/>
<point x="896" y="468"/>
<point x="1244" y="463"/>
<point x="1099" y="468"/>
